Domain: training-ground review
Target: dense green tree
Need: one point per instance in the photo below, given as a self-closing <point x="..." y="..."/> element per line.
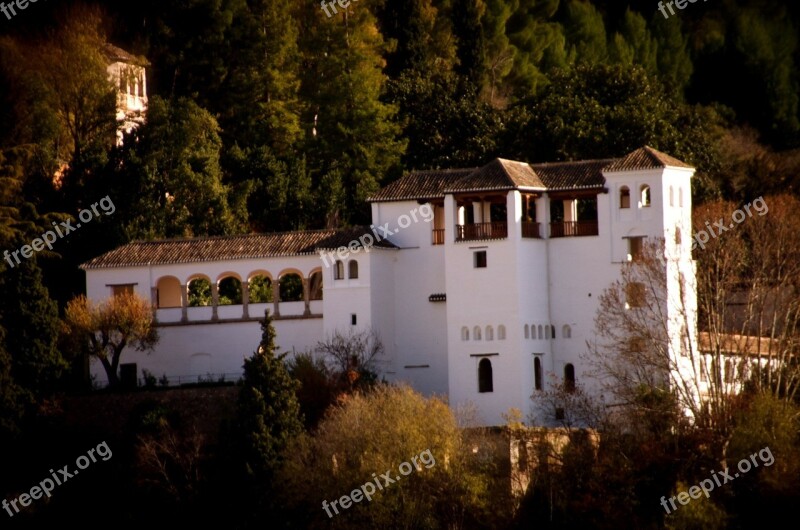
<point x="447" y="125"/>
<point x="634" y="45"/>
<point x="350" y="128"/>
<point x="268" y="414"/>
<point x="470" y="40"/>
<point x="674" y="63"/>
<point x="586" y="33"/>
<point x="170" y="169"/>
<point x="540" y="45"/>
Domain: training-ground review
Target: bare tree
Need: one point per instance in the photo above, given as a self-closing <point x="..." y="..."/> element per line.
<point x="702" y="338"/>
<point x="355" y="355"/>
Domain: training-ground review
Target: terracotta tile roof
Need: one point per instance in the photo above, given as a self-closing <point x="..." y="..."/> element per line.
<point x="170" y="251"/>
<point x="572" y="175"/>
<point x="116" y="54"/>
<point x="427" y="184"/>
<point x="645" y="158"/>
<point x="499" y="174"/>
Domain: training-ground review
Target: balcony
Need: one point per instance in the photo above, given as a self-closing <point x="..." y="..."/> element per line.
<point x="531" y="230"/>
<point x="437" y="235"/>
<point x="573" y="229"/>
<point x="477" y="231"/>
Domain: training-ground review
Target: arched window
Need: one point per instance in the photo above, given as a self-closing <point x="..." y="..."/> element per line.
<point x="485" y="376"/>
<point x="537" y="373"/>
<point x="476" y="333"/>
<point x="352" y="271"/>
<point x="501" y="332"/>
<point x="489" y="333"/>
<point x="338" y="271"/>
<point x="541" y="332"/>
<point x="199" y="292"/>
<point x="547" y="332"/>
<point x="569" y="378"/>
<point x="291" y="288"/>
<point x="624" y="197"/>
<point x="671" y="196"/>
<point x="680" y="197"/>
<point x="465" y="333"/>
<point x="645" y="195"/>
<point x="552" y="332"/>
<point x="229" y="291"/>
<point x="566" y="331"/>
<point x="260" y="289"/>
<point x="527" y="332"/>
<point x="315" y="286"/>
<point x="168" y="290"/>
<point x="677" y="236"/>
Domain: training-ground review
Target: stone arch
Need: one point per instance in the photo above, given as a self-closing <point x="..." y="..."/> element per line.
<point x="168" y="292"/>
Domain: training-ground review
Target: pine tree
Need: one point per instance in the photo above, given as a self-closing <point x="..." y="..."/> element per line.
<point x="268" y="410"/>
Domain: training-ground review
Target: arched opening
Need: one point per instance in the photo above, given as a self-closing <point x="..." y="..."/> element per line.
<point x="168" y="292"/>
<point x="352" y="269"/>
<point x="465" y="333"/>
<point x="315" y="286"/>
<point x="199" y="292"/>
<point x="489" y="333"/>
<point x="260" y="289"/>
<point x="527" y="332"/>
<point x="541" y="332"/>
<point x="338" y="270"/>
<point x="624" y="197"/>
<point x="566" y="331"/>
<point x="485" y="383"/>
<point x="680" y="197"/>
<point x="229" y="291"/>
<point x="291" y="288"/>
<point x="569" y="378"/>
<point x="501" y="332"/>
<point x="645" y="195"/>
<point x="537" y="373"/>
<point x="671" y="196"/>
<point x="547" y="332"/>
<point x="476" y="333"/>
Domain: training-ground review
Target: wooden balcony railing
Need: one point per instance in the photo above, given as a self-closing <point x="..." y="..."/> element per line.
<point x="437" y="235"/>
<point x="531" y="229"/>
<point x="573" y="229"/>
<point x="494" y="230"/>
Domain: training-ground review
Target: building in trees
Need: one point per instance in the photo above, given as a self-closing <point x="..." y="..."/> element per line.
<point x="480" y="282"/>
<point x="128" y="74"/>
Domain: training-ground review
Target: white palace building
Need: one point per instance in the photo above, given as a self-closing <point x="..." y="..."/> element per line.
<point x="487" y="285"/>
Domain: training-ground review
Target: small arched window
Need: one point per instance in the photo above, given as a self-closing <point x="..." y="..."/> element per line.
<point x="485" y="376"/>
<point x="501" y="332"/>
<point x="338" y="271"/>
<point x="465" y="333"/>
<point x="537" y="373"/>
<point x="552" y="332"/>
<point x="547" y="332"/>
<point x="527" y="332"/>
<point x="569" y="378"/>
<point x="489" y="333"/>
<point x="680" y="197"/>
<point x="624" y="197"/>
<point x="566" y="331"/>
<point x="671" y="196"/>
<point x="645" y="195"/>
<point x="541" y="332"/>
<point x="476" y="333"/>
<point x="352" y="271"/>
<point x="677" y="235"/>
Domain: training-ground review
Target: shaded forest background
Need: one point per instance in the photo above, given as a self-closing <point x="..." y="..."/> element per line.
<point x="269" y="116"/>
